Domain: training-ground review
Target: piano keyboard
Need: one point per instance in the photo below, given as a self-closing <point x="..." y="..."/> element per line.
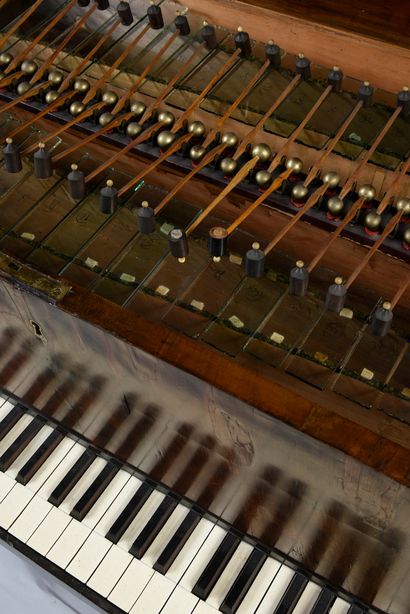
<point x="128" y="543"/>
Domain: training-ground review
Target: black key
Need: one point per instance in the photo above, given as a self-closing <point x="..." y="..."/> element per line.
<point x="243" y="582"/>
<point x="10" y="420"/>
<point x="177" y="542"/>
<point x="216" y="565"/>
<point x="324" y="602"/>
<point x="72" y="477"/>
<point x="39" y="457"/>
<point x="355" y="609"/>
<point x="129" y="512"/>
<point x="292" y="594"/>
<point x="18" y="445"/>
<point x="153" y="526"/>
<point x="94" y="491"/>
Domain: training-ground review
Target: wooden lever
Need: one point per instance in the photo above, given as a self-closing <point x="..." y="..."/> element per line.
<point x="51" y="107"/>
<point x="31" y="92"/>
<point x="394" y="186"/>
<point x="19" y="22"/>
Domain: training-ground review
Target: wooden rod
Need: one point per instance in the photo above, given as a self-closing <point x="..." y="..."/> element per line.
<point x="51" y="107"/>
<point x="177" y="145"/>
<point x="396" y="364"/>
<point x="73" y="30"/>
<point x="19" y="22"/>
<point x="129" y="92"/>
<point x="5" y="81"/>
<point x="139" y="139"/>
<point x="275" y="185"/>
<point x="400" y="292"/>
<point x="333" y="236"/>
<point x="31" y="92"/>
<point x="221" y="121"/>
<point x="93" y="90"/>
<point x="240" y="175"/>
<point x="389" y="227"/>
<point x="394" y="186"/>
<point x="76" y="120"/>
<point x="312" y="200"/>
<point x="199" y="98"/>
<point x="276" y="160"/>
<point x="181" y="72"/>
<point x="23" y="53"/>
<point x="76" y="71"/>
<point x="250" y="135"/>
<point x="91" y="137"/>
<point x="204" y="162"/>
<point x="369" y="152"/>
<point x="332" y="144"/>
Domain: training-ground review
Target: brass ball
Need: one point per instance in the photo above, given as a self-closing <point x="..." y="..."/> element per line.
<point x="110" y="98"/>
<point x="197" y="128"/>
<point x="230" y="139"/>
<point x="165" y="139"/>
<point x="403" y="204"/>
<point x="372" y="220"/>
<point x="5" y="58"/>
<point x="332" y="179"/>
<point x="406" y="236"/>
<point x="299" y="191"/>
<point x="295" y="165"/>
<point x="197" y="153"/>
<point x="228" y="166"/>
<point x="167" y="118"/>
<point x="105" y="119"/>
<point x="81" y="85"/>
<point x="76" y="108"/>
<point x="218" y="232"/>
<point x="133" y="129"/>
<point x="138" y="108"/>
<point x="263" y="178"/>
<point x="51" y="96"/>
<point x="29" y="67"/>
<point x="263" y="152"/>
<point x="56" y="77"/>
<point x="23" y="87"/>
<point x="335" y="205"/>
<point x="367" y="192"/>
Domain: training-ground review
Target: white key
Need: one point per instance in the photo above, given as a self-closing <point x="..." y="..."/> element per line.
<point x="115" y="509"/>
<point x="130" y="585"/>
<point x="180" y="601"/>
<point x="110" y="570"/>
<point x="204" y="608"/>
<point x="68" y="544"/>
<point x="29" y="450"/>
<point x="88" y="557"/>
<point x="141" y="520"/>
<point x="49" y="531"/>
<point x="30" y="518"/>
<point x="276" y="590"/>
<point x="12" y="435"/>
<point x="259" y="587"/>
<point x="13" y="504"/>
<point x="202" y="558"/>
<point x="83" y="483"/>
<point x="191" y="547"/>
<point x="339" y="607"/>
<point x="307" y="599"/>
<point x="47" y="468"/>
<point x="229" y="575"/>
<point x="164" y="535"/>
<point x="61" y="470"/>
<point x="154" y="595"/>
<point x="107" y="499"/>
<point x="6" y="484"/>
<point x="5" y="408"/>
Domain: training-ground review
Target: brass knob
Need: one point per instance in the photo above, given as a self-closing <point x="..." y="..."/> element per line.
<point x="263" y="152"/>
<point x="29" y="67"/>
<point x="335" y="205"/>
<point x="332" y="179"/>
<point x="299" y="191"/>
<point x="56" y="77"/>
<point x="372" y="220"/>
<point x="51" y="96"/>
<point x="133" y="129"/>
<point x="367" y="192"/>
<point x="403" y="204"/>
<point x="110" y="98"/>
<point x="197" y="128"/>
<point x="105" y="119"/>
<point x="230" y="139"/>
<point x="76" y="108"/>
<point x="5" y="58"/>
<point x="167" y="118"/>
<point x="228" y="166"/>
<point x="138" y="108"/>
<point x="23" y="87"/>
<point x="263" y="178"/>
<point x="295" y="165"/>
<point x="406" y="236"/>
<point x="165" y="139"/>
<point x="197" y="153"/>
<point x="81" y="85"/>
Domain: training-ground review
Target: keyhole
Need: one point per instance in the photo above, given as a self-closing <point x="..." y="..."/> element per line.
<point x="38" y="331"/>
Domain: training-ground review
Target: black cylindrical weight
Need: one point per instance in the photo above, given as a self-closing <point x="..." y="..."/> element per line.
<point x="125" y="13"/>
<point x="76" y="183"/>
<point x="382" y="320"/>
<point x="146" y="218"/>
<point x="403" y="100"/>
<point x="365" y="94"/>
<point x="178" y="243"/>
<point x="155" y="17"/>
<point x="243" y="42"/>
<point x="208" y="35"/>
<point x="255" y="261"/>
<point x="42" y="163"/>
<point x="108" y="198"/>
<point x="336" y="296"/>
<point x="272" y="53"/>
<point x="12" y="158"/>
<point x="182" y="24"/>
<point x="302" y="67"/>
<point x="217" y="241"/>
<point x="102" y="4"/>
<point x="298" y="279"/>
<point x="335" y="78"/>
<point x="83" y="3"/>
